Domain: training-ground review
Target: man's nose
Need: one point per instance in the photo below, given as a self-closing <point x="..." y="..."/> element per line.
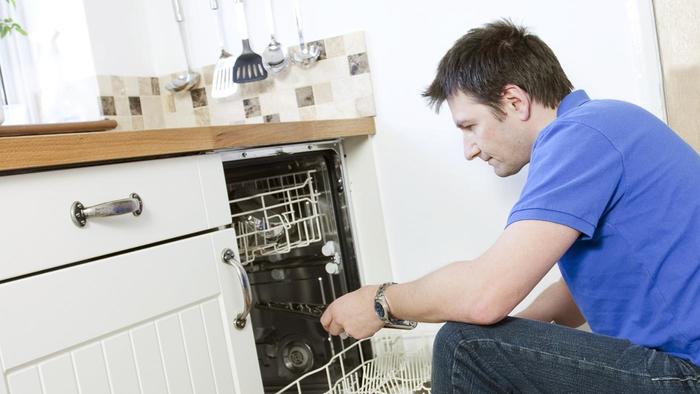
<point x="471" y="151"/>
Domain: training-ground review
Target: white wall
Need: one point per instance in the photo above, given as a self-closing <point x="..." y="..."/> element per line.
<point x="437" y="207"/>
<point x="120" y="37"/>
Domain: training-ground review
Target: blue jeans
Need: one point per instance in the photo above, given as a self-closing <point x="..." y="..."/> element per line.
<point x="526" y="356"/>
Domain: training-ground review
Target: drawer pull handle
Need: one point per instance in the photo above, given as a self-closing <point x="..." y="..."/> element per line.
<point x="229" y="258"/>
<point x="79" y="214"/>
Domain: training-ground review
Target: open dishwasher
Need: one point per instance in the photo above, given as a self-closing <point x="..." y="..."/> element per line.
<point x="290" y="210"/>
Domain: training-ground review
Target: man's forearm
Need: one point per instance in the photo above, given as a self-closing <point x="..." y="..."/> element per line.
<point x="485" y="290"/>
<point x="437" y="297"/>
<point x="463" y="291"/>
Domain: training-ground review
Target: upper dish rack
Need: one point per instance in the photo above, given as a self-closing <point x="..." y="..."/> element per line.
<point x="401" y="365"/>
<point x="277" y="214"/>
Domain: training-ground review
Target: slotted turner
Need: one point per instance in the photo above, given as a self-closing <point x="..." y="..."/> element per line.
<point x="249" y="65"/>
<point x="222" y="82"/>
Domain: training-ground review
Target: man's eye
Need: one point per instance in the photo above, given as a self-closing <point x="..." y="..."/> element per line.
<point x="467" y="127"/>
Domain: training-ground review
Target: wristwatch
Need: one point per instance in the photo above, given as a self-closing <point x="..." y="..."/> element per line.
<point x="381" y="307"/>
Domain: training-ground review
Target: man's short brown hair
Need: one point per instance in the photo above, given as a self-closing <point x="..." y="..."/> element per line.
<point x="488" y="58"/>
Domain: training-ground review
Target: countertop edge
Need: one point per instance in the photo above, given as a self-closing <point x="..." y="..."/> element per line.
<point x="27" y="152"/>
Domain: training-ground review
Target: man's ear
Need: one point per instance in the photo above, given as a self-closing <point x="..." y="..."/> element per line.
<point x="516" y="101"/>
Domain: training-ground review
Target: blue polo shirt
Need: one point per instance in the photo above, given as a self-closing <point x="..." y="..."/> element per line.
<point x="631" y="186"/>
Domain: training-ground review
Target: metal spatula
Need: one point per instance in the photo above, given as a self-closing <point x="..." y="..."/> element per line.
<point x="249" y="65"/>
<point x="222" y="82"/>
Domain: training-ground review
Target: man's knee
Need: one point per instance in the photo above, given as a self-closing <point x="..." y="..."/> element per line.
<point x="452" y="332"/>
<point x="451" y="335"/>
<point x="451" y="352"/>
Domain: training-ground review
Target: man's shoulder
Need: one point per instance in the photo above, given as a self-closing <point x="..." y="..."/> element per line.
<point x="571" y="132"/>
<point x="595" y="112"/>
<point x="617" y="121"/>
<point x="610" y="114"/>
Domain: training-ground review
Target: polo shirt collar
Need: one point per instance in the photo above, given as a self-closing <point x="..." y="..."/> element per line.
<point x="571" y="101"/>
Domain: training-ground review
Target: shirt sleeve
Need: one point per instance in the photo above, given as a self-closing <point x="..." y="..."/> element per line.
<point x="574" y="174"/>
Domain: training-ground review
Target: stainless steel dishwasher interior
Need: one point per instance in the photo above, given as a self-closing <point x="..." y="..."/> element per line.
<point x="289" y="209"/>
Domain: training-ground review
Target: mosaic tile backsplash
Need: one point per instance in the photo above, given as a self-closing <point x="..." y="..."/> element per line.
<point x="337" y="86"/>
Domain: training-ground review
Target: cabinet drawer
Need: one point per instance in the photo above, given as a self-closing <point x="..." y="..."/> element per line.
<point x="180" y="196"/>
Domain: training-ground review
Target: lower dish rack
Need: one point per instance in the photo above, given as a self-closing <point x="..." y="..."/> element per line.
<point x="401" y="365"/>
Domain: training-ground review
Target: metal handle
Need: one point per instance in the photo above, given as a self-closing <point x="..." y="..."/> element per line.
<point x="270" y="18"/>
<point x="228" y="257"/>
<point x="297" y="16"/>
<point x="241" y="19"/>
<point x="180" y="19"/>
<point x="220" y="31"/>
<point x="79" y="214"/>
<point x="177" y="9"/>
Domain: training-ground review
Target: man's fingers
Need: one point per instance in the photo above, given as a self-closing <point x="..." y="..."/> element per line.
<point x="331" y="327"/>
<point x="329" y="324"/>
<point x="326" y="319"/>
<point x="335" y="328"/>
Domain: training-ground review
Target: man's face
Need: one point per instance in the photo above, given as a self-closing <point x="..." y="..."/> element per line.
<point x="501" y="143"/>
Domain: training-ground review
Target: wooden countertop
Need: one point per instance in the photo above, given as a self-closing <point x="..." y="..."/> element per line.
<point x="27" y="152"/>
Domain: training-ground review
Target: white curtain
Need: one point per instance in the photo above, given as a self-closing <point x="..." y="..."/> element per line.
<point x="17" y="67"/>
<point x="49" y="74"/>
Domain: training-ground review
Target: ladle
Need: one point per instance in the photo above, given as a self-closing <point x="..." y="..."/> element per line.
<point x="273" y="56"/>
<point x="190" y="79"/>
<point x="308" y="53"/>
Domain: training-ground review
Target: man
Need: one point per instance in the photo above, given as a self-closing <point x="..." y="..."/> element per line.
<point x="612" y="195"/>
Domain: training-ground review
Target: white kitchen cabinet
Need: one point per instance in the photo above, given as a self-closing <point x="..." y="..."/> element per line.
<point x="146" y="318"/>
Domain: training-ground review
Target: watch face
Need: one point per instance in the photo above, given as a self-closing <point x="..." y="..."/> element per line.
<point x="379" y="309"/>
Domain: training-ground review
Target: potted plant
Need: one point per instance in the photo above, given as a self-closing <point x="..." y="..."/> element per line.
<point x="8" y="26"/>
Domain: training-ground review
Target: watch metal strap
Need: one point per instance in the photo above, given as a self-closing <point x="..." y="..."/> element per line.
<point x="393" y="323"/>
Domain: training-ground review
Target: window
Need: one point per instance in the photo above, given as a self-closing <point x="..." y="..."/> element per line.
<point x="47" y="76"/>
<point x="16" y="90"/>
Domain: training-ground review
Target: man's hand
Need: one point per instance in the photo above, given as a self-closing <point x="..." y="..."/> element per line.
<point x="353" y="314"/>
